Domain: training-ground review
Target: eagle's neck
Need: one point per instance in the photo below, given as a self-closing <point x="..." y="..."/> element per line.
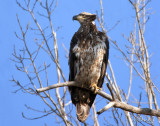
<point x="87" y="28"/>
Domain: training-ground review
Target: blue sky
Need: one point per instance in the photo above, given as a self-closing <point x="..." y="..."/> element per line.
<point x="12" y="105"/>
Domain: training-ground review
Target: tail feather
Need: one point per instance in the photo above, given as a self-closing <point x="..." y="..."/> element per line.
<point x="82" y="111"/>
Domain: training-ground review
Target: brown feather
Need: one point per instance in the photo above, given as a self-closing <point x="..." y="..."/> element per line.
<point x="82" y="111"/>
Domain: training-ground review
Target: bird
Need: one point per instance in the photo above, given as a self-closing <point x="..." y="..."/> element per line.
<point x="88" y="58"/>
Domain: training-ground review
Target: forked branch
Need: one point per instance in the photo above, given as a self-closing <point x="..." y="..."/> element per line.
<point x="115" y="103"/>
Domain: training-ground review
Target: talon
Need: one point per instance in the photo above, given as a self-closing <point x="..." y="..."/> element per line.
<point x="96" y="88"/>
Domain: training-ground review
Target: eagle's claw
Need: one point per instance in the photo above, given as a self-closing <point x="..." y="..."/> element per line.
<point x="95" y="87"/>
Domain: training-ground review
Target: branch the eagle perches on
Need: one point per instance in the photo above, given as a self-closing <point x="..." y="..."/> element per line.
<point x="113" y="102"/>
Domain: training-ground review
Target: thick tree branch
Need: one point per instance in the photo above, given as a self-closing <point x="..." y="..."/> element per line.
<point x="130" y="108"/>
<point x="72" y="83"/>
<point x="116" y="104"/>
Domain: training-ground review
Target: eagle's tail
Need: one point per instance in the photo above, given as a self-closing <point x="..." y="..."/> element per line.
<point x="82" y="111"/>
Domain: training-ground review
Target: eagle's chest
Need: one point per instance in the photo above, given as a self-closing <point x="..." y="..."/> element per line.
<point x="89" y="55"/>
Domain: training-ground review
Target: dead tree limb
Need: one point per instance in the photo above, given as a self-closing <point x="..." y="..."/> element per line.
<point x="116" y="104"/>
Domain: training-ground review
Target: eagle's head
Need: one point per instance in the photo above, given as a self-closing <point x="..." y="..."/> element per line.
<point x="84" y="17"/>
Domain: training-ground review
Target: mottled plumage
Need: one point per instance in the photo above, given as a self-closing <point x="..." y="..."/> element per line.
<point x="89" y="50"/>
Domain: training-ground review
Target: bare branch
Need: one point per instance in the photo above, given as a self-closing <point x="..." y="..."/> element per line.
<point x="96" y="123"/>
<point x="112" y="94"/>
<point x="108" y="106"/>
<point x="21" y="6"/>
<point x="36" y="117"/>
<point x="126" y="107"/>
<point x="117" y="104"/>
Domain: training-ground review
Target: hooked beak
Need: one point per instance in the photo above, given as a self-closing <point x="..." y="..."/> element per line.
<point x="75" y="17"/>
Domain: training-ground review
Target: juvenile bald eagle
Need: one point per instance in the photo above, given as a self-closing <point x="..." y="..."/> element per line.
<point x="88" y="57"/>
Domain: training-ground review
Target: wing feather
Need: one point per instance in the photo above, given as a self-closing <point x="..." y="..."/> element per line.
<point x="73" y="70"/>
<point x="104" y="64"/>
<point x="72" y="59"/>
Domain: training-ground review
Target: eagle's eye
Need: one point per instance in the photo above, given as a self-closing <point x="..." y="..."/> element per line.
<point x="82" y="15"/>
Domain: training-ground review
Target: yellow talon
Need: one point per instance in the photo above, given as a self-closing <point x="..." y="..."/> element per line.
<point x="95" y="87"/>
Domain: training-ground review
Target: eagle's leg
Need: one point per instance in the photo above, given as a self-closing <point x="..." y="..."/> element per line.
<point x="95" y="87"/>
